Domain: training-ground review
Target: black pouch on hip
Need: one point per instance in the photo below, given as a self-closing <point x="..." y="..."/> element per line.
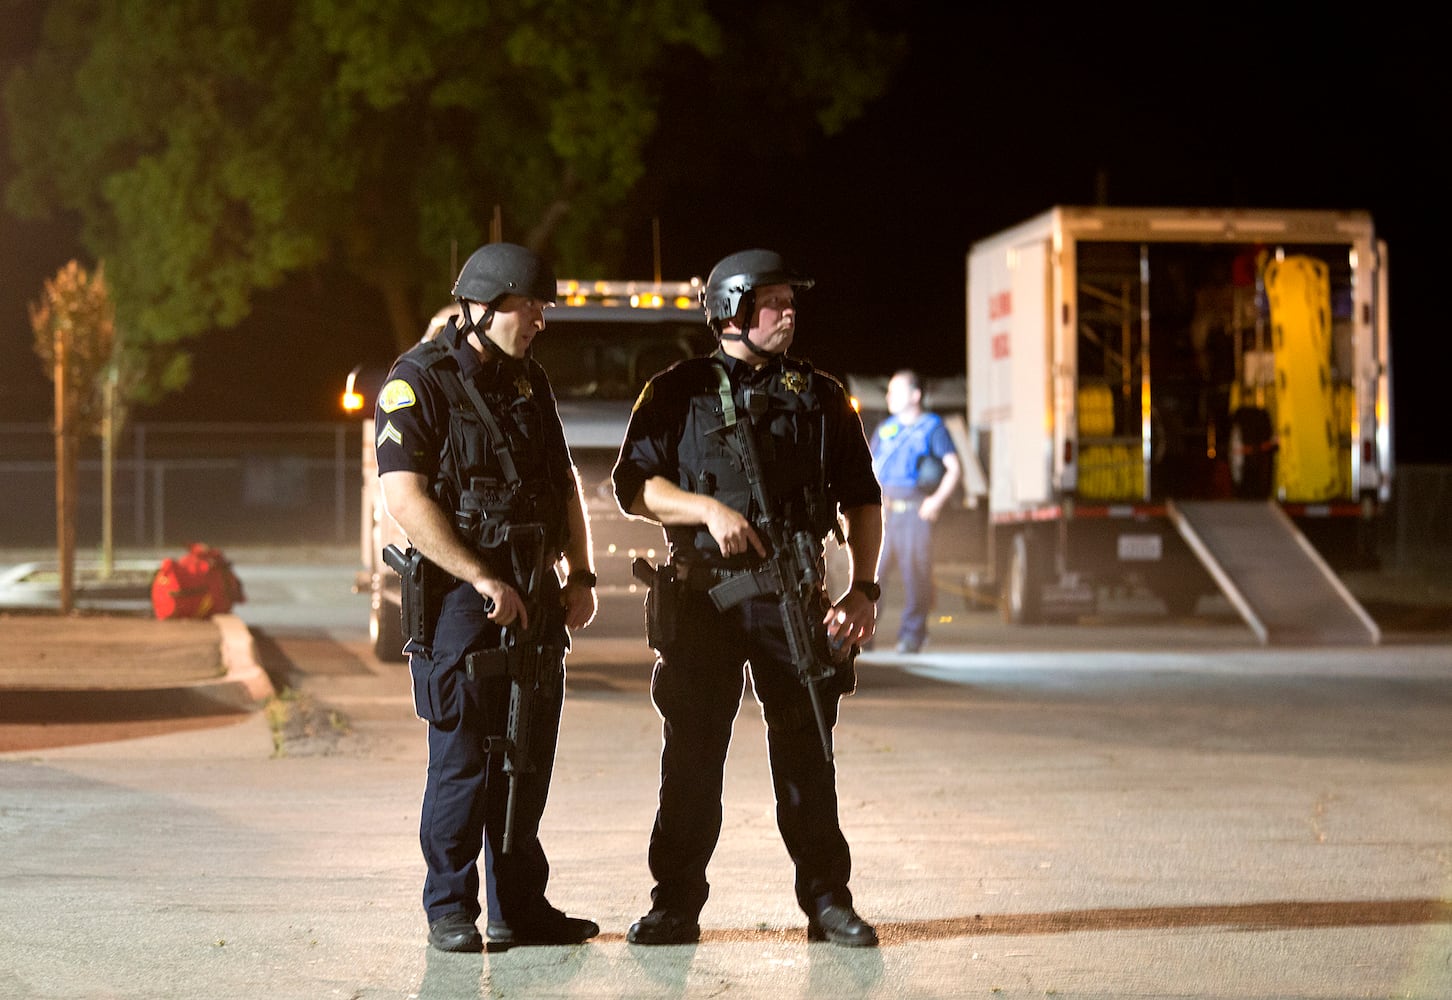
<point x="422" y="586"/>
<point x="662" y="608"/>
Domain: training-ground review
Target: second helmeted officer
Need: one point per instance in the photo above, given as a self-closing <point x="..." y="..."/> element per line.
<point x="736" y="454"/>
<point x="474" y="467"/>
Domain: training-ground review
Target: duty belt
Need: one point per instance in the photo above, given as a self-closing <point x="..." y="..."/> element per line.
<point x="901" y="506"/>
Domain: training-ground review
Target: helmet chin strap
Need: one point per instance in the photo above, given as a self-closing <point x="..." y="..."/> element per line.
<point x="487" y="344"/>
<point x="469" y="325"/>
<point x="748" y="306"/>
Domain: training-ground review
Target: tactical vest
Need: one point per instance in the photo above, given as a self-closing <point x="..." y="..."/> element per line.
<point x="789" y="441"/>
<point x="499" y="472"/>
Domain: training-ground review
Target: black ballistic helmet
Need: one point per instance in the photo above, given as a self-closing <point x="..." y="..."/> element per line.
<point x="499" y="269"/>
<point x="739" y="274"/>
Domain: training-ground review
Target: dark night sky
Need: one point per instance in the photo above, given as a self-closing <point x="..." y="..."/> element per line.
<point x="996" y="117"/>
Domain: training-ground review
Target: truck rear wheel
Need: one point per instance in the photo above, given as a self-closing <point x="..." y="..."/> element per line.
<point x="1023" y="584"/>
<point x="385" y="626"/>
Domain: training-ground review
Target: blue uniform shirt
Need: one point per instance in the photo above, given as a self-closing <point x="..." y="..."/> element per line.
<point x="897" y="448"/>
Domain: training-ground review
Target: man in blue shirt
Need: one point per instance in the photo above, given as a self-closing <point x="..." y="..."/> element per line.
<point x="918" y="467"/>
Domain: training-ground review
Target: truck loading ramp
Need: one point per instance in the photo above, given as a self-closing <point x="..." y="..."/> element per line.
<point x="1272" y="575"/>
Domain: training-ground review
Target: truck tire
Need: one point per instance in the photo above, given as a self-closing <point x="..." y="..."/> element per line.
<point x="1252" y="453"/>
<point x="385" y="626"/>
<point x="1023" y="583"/>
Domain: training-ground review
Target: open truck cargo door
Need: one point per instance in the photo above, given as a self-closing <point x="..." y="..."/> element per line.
<point x="1125" y="360"/>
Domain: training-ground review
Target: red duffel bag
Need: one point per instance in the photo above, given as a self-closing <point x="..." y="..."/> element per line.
<point x="198" y="585"/>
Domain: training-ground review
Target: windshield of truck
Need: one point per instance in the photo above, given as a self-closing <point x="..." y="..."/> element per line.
<point x="612" y="360"/>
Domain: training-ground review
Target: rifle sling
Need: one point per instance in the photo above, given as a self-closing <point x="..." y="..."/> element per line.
<point x="452" y="382"/>
<point x="733" y="587"/>
<point x="723" y="389"/>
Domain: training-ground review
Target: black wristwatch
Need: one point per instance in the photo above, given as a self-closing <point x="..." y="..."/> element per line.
<point x="581" y="576"/>
<point x="869" y="589"/>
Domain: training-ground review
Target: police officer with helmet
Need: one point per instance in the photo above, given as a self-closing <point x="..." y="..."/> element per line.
<point x="474" y="467"/>
<point x="684" y="465"/>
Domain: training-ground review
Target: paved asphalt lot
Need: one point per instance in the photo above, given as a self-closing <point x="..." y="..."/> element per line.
<point x="1128" y="808"/>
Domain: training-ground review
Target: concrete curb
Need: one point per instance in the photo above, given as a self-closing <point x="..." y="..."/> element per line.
<point x="245" y="679"/>
<point x="243" y="687"/>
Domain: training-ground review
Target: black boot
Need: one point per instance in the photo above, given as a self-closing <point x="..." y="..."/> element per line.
<point x="455" y="932"/>
<point x="552" y="927"/>
<point x="841" y="926"/>
<point x="664" y="927"/>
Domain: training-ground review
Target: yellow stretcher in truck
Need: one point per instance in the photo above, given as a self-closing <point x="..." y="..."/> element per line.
<point x="1309" y="466"/>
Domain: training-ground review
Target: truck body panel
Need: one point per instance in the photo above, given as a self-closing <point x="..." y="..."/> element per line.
<point x="1123" y="359"/>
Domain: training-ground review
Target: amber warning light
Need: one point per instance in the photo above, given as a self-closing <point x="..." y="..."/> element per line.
<point x="640" y="295"/>
<point x="353" y="400"/>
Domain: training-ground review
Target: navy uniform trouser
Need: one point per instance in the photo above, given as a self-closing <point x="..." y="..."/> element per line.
<point x="466" y="793"/>
<point x="907" y="546"/>
<point x="697" y="688"/>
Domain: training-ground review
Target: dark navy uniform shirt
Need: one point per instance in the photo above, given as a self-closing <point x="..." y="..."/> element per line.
<point x="810" y="436"/>
<point x="415" y="429"/>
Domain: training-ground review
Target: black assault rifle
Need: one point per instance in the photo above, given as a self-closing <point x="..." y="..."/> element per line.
<point x="790" y="571"/>
<point x="530" y="658"/>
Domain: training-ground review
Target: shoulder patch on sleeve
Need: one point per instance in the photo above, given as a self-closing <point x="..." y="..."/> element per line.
<point x="396" y="395"/>
<point x="644" y="396"/>
<point x="389" y="433"/>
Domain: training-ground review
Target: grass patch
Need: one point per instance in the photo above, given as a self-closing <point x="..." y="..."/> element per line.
<point x="302" y="727"/>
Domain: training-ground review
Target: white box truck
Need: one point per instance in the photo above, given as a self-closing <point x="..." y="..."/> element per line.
<point x="1184" y="400"/>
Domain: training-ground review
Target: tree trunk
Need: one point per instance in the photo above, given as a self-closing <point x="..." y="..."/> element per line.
<point x="65" y="478"/>
<point x="402" y="318"/>
<point x="108" y="475"/>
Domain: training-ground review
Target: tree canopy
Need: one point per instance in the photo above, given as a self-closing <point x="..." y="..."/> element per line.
<point x="74" y="319"/>
<point x="211" y="150"/>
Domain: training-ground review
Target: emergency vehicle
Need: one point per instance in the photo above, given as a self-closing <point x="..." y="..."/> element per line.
<point x="1185" y="400"/>
<point x="602" y="341"/>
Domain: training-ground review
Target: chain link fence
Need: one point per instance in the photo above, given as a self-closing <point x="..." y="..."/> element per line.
<point x="1418" y="532"/>
<point x="299" y="484"/>
<point x="172" y="484"/>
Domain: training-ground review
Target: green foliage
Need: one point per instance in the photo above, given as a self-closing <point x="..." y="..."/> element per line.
<point x="817" y="60"/>
<point x="212" y="150"/>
